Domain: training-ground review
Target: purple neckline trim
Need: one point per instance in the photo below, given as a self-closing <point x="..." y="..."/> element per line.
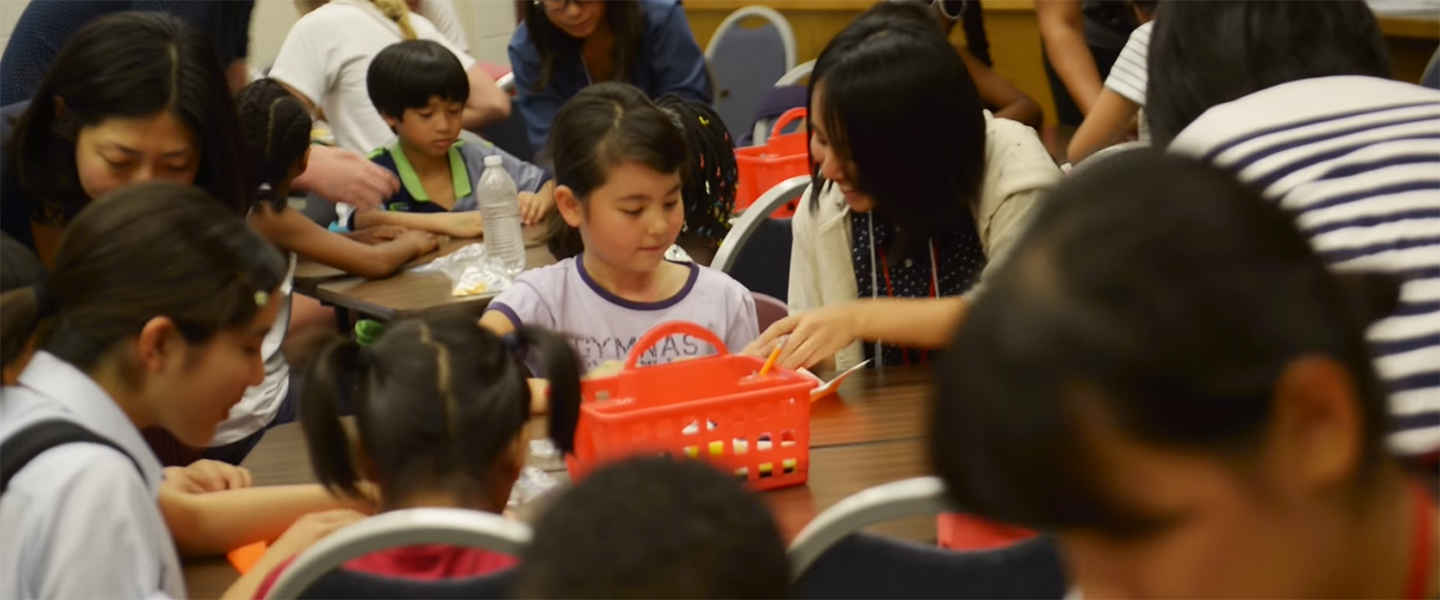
<point x="610" y="297"/>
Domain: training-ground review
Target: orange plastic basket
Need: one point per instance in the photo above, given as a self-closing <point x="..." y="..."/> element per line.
<point x="715" y="408"/>
<point x="780" y="158"/>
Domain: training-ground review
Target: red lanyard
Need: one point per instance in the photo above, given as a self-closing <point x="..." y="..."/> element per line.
<point x="1420" y="560"/>
<point x="890" y="289"/>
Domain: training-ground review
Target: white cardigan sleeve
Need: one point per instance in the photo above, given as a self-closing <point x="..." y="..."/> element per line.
<point x="805" y="287"/>
<point x="1018" y="173"/>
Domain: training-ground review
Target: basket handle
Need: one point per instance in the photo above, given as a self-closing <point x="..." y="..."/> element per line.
<point x="793" y="114"/>
<point x="667" y="329"/>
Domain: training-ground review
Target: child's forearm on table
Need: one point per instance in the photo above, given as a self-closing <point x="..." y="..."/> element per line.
<point x="372" y="218"/>
<point x="217" y="522"/>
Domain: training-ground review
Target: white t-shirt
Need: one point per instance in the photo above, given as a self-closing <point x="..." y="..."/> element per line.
<point x="1356" y="161"/>
<point x="1130" y="74"/>
<point x="326" y="55"/>
<point x="442" y="14"/>
<point x="258" y="407"/>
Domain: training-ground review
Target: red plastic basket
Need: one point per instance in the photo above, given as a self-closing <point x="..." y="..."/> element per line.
<point x="780" y="158"/>
<point x="715" y="408"/>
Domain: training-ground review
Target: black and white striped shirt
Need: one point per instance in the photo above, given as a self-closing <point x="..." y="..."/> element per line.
<point x="1356" y="160"/>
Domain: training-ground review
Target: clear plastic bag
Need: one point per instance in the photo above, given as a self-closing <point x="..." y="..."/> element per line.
<point x="471" y="271"/>
<point x="532" y="483"/>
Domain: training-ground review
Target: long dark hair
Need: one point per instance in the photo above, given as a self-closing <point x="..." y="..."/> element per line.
<point x="437" y="402"/>
<point x="1167" y="295"/>
<point x="900" y="104"/>
<point x="127" y="65"/>
<point x="627" y="25"/>
<point x="603" y="126"/>
<point x="276" y="128"/>
<point x="149" y="249"/>
<point x="1207" y="53"/>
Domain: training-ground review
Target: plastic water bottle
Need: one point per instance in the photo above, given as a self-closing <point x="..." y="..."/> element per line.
<point x="500" y="211"/>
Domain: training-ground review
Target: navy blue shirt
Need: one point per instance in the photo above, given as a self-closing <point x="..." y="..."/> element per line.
<point x="954" y="261"/>
<point x="46" y="25"/>
<point x="14" y="209"/>
<point x="670" y="62"/>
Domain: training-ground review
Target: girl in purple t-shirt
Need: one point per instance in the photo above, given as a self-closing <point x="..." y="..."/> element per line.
<point x="617" y="161"/>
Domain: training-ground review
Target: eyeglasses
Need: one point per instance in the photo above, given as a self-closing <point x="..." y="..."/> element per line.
<point x="554" y="6"/>
<point x="952" y="9"/>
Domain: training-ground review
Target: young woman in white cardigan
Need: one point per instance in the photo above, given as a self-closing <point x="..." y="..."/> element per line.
<point x="918" y="191"/>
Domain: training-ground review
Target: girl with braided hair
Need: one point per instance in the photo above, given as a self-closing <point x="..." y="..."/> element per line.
<point x="276" y="131"/>
<point x="708" y="182"/>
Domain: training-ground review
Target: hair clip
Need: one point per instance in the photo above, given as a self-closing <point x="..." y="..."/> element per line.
<point x="262" y="298"/>
<point x="704" y="121"/>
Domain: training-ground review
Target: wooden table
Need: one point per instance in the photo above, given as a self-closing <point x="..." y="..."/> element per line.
<point x="871" y="434"/>
<point x="407" y="293"/>
<point x="310" y="274"/>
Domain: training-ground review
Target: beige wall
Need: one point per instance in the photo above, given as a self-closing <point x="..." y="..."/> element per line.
<point x="9" y="13"/>
<point x="489" y="24"/>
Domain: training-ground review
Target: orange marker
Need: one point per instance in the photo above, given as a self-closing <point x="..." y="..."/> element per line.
<point x="770" y="362"/>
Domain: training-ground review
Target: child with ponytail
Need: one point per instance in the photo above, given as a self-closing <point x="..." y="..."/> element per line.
<point x="619" y="163"/>
<point x="276" y="130"/>
<point x="441" y="408"/>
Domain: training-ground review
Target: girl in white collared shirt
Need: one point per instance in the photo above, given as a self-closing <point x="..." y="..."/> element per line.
<point x="144" y="334"/>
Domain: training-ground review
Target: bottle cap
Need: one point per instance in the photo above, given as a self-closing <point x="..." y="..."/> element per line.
<point x="493" y="161"/>
<point x="367" y="331"/>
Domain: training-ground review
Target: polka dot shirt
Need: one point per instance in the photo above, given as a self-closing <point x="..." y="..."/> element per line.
<point x="959" y="257"/>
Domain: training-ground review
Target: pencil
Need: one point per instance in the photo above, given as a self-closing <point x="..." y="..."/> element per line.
<point x="770" y="362"/>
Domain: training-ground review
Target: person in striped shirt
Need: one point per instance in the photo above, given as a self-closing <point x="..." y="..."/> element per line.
<point x="1114" y="115"/>
<point x="1295" y="99"/>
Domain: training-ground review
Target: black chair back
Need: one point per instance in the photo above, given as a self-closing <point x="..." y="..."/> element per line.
<point x="763" y="263"/>
<point x="867" y="566"/>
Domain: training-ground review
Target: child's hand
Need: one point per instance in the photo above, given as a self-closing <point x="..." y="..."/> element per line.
<point x="377" y="234"/>
<point x="301" y="535"/>
<point x="204" y="476"/>
<point x="307" y="530"/>
<point x="464" y="225"/>
<point x="424" y="241"/>
<point x="534" y="206"/>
